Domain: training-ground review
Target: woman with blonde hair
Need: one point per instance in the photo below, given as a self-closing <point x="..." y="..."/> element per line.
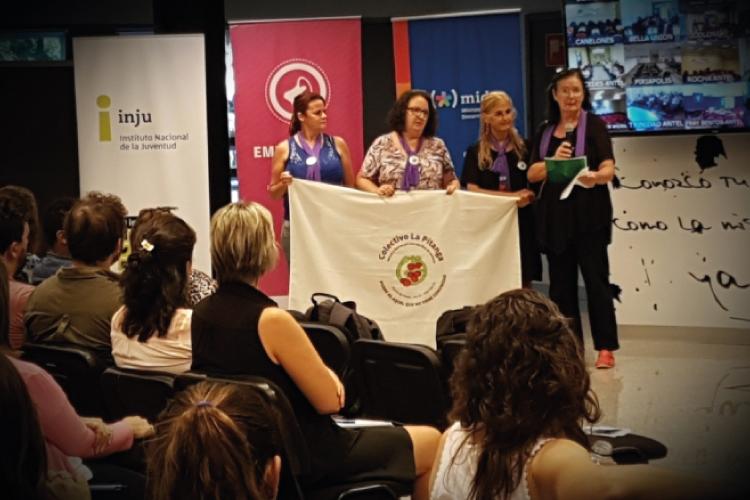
<point x="240" y="330"/>
<point x="496" y="165"/>
<point x="215" y="440"/>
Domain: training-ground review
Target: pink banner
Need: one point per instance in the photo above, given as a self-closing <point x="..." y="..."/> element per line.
<point x="273" y="62"/>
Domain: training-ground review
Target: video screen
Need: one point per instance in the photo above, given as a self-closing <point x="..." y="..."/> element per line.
<point x="663" y="65"/>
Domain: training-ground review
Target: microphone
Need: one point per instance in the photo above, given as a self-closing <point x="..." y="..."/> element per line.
<point x="570" y="137"/>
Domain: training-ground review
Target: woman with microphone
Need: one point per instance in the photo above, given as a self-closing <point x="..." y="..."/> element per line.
<point x="308" y="153"/>
<point x="575" y="232"/>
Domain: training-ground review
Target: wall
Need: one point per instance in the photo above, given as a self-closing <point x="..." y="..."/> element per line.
<point x="682" y="233"/>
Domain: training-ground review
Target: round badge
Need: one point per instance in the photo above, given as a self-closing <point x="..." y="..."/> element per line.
<point x="311" y="160"/>
<point x="521" y="165"/>
<point x="414" y="160"/>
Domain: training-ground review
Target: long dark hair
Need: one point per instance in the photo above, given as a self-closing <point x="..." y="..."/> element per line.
<point x="300" y="105"/>
<point x="23" y="460"/>
<point x="553" y="110"/>
<point x="213" y="440"/>
<point x="154" y="283"/>
<point x="521" y="377"/>
<point x="397" y="114"/>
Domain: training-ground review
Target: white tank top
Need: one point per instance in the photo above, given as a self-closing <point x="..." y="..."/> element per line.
<point x="454" y="476"/>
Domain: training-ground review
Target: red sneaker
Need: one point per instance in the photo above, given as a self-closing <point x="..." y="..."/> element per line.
<point x="605" y="360"/>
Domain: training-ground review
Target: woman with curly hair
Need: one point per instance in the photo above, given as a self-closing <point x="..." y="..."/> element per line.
<point x="521" y="392"/>
<point x="151" y="331"/>
<point x="215" y="440"/>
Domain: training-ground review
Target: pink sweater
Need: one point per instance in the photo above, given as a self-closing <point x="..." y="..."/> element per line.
<point x="66" y="435"/>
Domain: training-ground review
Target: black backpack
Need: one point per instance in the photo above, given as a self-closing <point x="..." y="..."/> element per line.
<point x="452" y="324"/>
<point x="343" y="315"/>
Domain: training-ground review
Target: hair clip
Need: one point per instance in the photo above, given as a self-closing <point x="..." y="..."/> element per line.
<point x="203" y="403"/>
<point x="146" y="245"/>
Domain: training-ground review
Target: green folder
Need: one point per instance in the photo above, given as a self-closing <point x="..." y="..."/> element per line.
<point x="560" y="171"/>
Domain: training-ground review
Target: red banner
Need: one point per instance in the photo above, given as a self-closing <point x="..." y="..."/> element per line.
<point x="274" y="62"/>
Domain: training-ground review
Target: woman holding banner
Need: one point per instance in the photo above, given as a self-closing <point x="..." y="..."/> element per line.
<point x="574" y="232"/>
<point x="308" y="153"/>
<point x="496" y="165"/>
<point x="410" y="156"/>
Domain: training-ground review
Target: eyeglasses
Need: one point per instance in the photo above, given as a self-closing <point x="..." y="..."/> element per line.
<point x="424" y="113"/>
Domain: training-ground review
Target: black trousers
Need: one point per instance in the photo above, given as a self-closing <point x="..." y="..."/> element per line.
<point x="589" y="253"/>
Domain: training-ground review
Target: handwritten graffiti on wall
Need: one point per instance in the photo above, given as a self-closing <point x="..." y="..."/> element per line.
<point x="681" y="244"/>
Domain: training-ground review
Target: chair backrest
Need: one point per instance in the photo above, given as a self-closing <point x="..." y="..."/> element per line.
<point x="449" y="352"/>
<point x="136" y="392"/>
<point x="76" y="369"/>
<point x="400" y="382"/>
<point x="331" y="344"/>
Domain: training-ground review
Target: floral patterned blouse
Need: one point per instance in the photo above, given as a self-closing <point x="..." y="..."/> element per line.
<point x="385" y="163"/>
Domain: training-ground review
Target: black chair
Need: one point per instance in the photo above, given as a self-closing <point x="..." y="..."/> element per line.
<point x="295" y="454"/>
<point x="136" y="392"/>
<point x="400" y="382"/>
<point x="331" y="344"/>
<point x="76" y="369"/>
<point x="449" y="352"/>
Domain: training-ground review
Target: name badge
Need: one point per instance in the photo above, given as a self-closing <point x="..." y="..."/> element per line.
<point x="311" y="160"/>
<point x="413" y="160"/>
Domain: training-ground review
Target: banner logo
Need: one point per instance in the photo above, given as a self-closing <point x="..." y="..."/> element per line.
<point x="411" y="270"/>
<point x="419" y="276"/>
<point x="445" y="99"/>
<point x="103" y="102"/>
<point x="288" y="80"/>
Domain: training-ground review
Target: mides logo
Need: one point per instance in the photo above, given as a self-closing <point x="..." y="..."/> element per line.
<point x="288" y="80"/>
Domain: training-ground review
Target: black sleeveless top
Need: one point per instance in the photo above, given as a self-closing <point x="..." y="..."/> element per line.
<point x="226" y="342"/>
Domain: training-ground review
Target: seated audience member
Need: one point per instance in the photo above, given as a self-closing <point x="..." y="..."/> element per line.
<point x="57" y="255"/>
<point x="75" y="306"/>
<point x="200" y="284"/>
<point x="14" y="240"/>
<point x="151" y="331"/>
<point x="25" y="201"/>
<point x="23" y="461"/>
<point x="239" y="330"/>
<point x="520" y="394"/>
<point x="215" y="441"/>
<point x="66" y="435"/>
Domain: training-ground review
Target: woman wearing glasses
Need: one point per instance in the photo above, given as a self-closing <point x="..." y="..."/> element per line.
<point x="309" y="154"/>
<point x="410" y="156"/>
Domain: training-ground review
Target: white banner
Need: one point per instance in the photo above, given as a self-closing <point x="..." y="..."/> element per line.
<point x="141" y="109"/>
<point x="682" y="230"/>
<point x="404" y="260"/>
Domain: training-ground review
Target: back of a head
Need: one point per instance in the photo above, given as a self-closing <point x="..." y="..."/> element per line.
<point x="53" y="218"/>
<point x="93" y="227"/>
<point x="11" y="222"/>
<point x="23" y="459"/>
<point x="155" y="279"/>
<point x="243" y="245"/>
<point x="26" y="202"/>
<point x="521" y="377"/>
<point x="214" y="441"/>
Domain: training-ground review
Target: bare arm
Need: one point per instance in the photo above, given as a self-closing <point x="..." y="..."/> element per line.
<point x="564" y="470"/>
<point x="603" y="175"/>
<point x="280" y="180"/>
<point x="525" y="196"/>
<point x="287" y="344"/>
<point x="346" y="161"/>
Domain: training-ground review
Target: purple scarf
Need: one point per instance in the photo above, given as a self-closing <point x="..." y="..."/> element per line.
<point x="580" y="149"/>
<point x="500" y="165"/>
<point x="313" y="154"/>
<point x="411" y="171"/>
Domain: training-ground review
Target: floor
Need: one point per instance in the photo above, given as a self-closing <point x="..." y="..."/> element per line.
<point x="688" y="388"/>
